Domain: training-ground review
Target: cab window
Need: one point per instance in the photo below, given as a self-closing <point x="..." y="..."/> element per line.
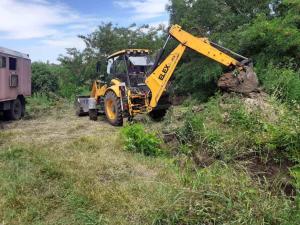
<point x="2" y="62"/>
<point x="120" y="66"/>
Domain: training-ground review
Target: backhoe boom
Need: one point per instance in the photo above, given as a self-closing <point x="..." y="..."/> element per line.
<point x="157" y="81"/>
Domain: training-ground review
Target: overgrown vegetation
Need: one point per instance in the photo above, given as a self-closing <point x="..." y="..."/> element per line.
<point x="223" y="194"/>
<point x="231" y="127"/>
<point x="136" y="139"/>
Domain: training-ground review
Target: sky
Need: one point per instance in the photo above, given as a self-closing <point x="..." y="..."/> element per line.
<point x="45" y="28"/>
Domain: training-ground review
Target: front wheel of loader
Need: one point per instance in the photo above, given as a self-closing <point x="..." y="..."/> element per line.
<point x="113" y="109"/>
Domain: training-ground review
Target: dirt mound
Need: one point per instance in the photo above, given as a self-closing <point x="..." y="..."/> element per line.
<point x="245" y="82"/>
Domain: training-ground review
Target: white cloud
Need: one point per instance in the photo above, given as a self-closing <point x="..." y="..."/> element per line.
<point x="28" y="19"/>
<point x="32" y="18"/>
<point x="144" y="9"/>
<point x="47" y="28"/>
<point x="67" y="42"/>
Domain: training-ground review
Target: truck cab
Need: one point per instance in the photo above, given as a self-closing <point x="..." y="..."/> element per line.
<point x="15" y="83"/>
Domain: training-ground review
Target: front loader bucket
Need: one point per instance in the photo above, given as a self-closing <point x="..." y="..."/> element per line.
<point x="245" y="82"/>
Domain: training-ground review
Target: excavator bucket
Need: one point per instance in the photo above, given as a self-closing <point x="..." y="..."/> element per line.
<point x="244" y="82"/>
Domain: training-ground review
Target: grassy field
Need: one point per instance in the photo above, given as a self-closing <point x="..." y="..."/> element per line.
<point x="60" y="169"/>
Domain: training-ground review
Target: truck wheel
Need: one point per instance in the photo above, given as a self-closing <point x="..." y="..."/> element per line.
<point x="158" y="115"/>
<point x="113" y="109"/>
<point x="15" y="112"/>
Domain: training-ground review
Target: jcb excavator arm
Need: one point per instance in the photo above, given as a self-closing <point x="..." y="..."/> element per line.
<point x="158" y="79"/>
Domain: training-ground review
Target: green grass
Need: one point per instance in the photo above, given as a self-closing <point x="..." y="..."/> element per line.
<point x="34" y="189"/>
<point x="224" y="194"/>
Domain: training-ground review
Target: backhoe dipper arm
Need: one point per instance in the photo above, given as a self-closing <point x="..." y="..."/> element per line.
<point x="158" y="79"/>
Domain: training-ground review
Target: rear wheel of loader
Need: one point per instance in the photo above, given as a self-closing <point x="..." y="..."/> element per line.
<point x="158" y="115"/>
<point x="113" y="109"/>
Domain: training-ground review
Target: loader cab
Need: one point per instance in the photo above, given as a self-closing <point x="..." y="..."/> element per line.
<point x="130" y="66"/>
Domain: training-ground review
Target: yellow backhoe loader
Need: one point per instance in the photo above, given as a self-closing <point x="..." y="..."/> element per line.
<point x="137" y="85"/>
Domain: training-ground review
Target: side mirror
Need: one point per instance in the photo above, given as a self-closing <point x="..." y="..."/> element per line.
<point x="98" y="67"/>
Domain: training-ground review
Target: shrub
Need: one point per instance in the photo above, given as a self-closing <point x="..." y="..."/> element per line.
<point x="197" y="80"/>
<point x="43" y="79"/>
<point x="284" y="83"/>
<point x="136" y="139"/>
<point x="192" y="128"/>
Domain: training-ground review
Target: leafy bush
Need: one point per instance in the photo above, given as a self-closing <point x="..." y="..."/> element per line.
<point x="43" y="79"/>
<point x="194" y="79"/>
<point x="136" y="139"/>
<point x="284" y="83"/>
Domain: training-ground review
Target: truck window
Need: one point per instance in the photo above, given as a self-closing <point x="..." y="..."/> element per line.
<point x="2" y="62"/>
<point x="12" y="63"/>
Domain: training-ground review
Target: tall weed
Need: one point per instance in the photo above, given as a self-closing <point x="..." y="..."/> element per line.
<point x="136" y="139"/>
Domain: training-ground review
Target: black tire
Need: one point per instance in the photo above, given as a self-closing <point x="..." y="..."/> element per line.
<point x="158" y="115"/>
<point x="112" y="105"/>
<point x="15" y="112"/>
<point x="93" y="114"/>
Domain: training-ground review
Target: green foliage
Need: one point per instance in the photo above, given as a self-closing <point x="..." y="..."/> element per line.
<point x="208" y="17"/>
<point x="43" y="78"/>
<point x="136" y="139"/>
<point x="109" y="38"/>
<point x="230" y="128"/>
<point x="192" y="78"/>
<point x="283" y="83"/>
<point x="39" y="103"/>
<point x="192" y="128"/>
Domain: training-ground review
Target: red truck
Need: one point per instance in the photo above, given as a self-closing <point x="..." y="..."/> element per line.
<point x="15" y="83"/>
